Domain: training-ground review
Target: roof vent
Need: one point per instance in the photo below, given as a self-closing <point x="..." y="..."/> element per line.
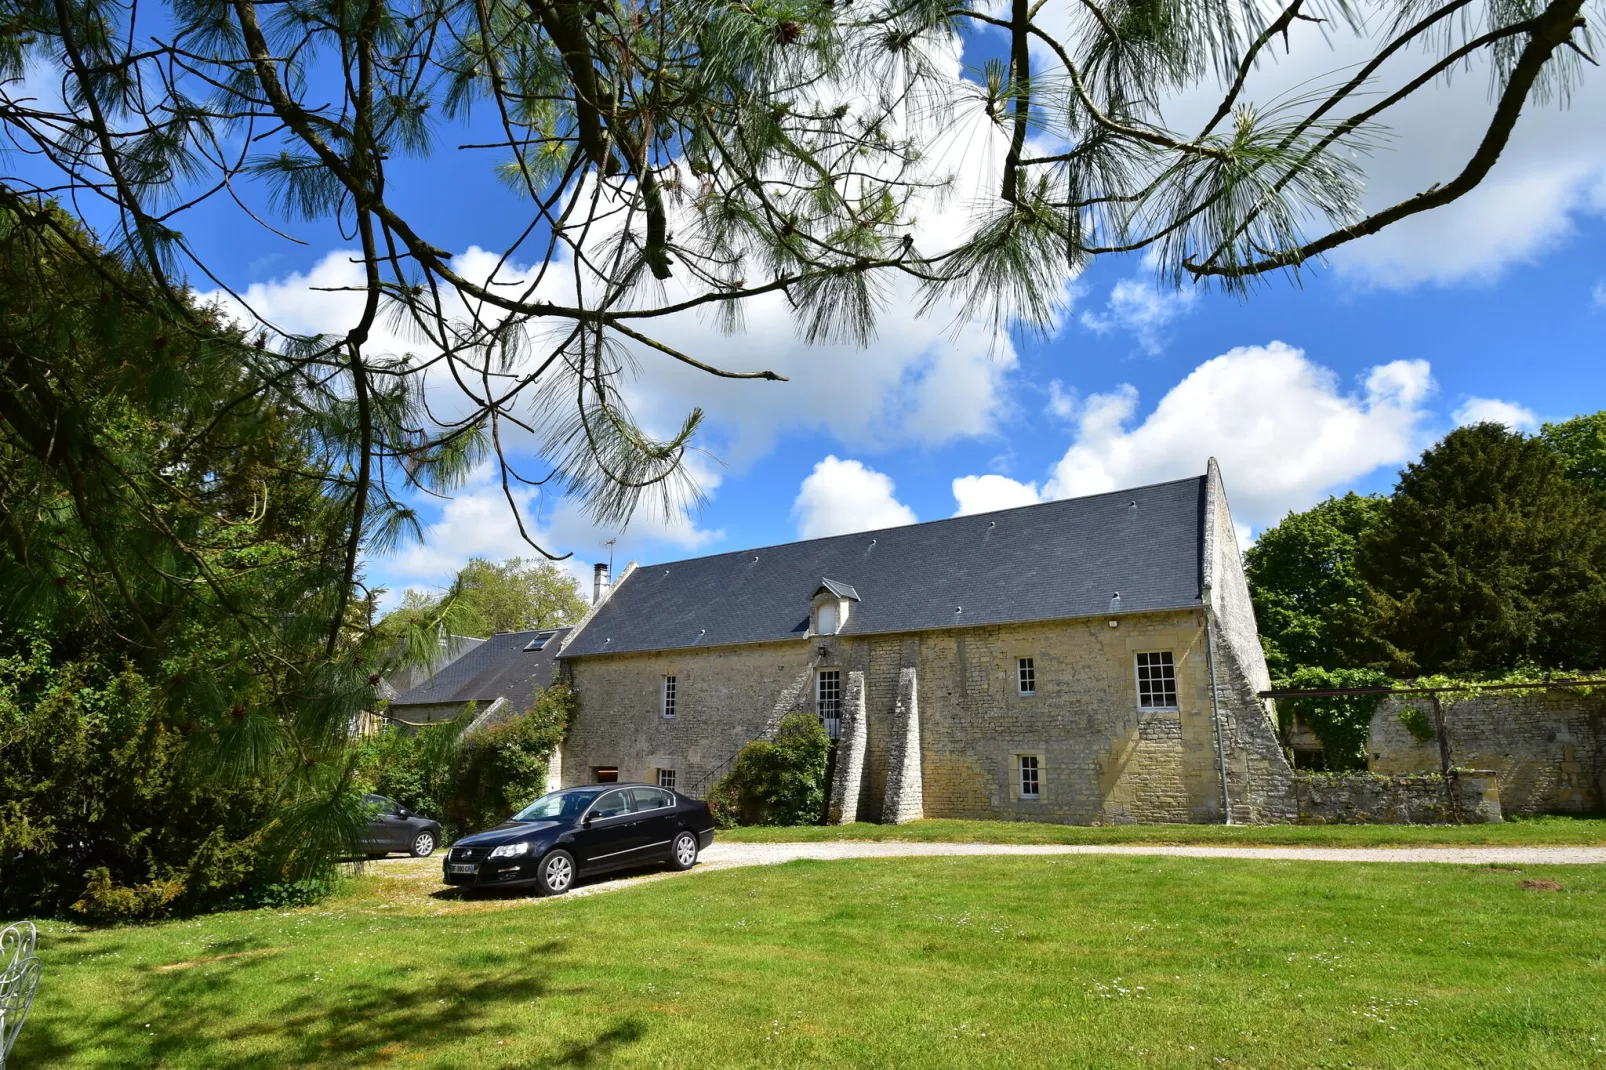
<point x="1115" y="602"/>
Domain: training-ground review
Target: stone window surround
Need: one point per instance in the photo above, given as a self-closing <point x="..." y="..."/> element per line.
<point x="1015" y="777"/>
<point x="1138" y="682"/>
<point x="660" y="762"/>
<point x="822" y="674"/>
<point x="668" y="697"/>
<point x="1026" y="675"/>
<point x="664" y="777"/>
<point x="839" y="606"/>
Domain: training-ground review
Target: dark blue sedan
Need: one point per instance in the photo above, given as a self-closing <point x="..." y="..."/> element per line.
<point x="579" y="832"/>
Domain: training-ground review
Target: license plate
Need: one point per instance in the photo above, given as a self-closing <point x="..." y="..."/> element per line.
<point x="461" y="867"/>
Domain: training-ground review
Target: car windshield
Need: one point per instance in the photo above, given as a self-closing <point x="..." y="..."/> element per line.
<point x="556" y="805"/>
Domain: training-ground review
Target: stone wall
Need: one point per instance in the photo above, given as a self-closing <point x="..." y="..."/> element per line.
<point x="1547" y="748"/>
<point x="724" y="697"/>
<point x="1100" y="759"/>
<point x="1468" y="797"/>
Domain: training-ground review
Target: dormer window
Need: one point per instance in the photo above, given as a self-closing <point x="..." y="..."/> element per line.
<point x="830" y="605"/>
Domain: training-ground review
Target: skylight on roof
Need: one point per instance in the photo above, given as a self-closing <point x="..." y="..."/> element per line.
<point x="539" y="641"/>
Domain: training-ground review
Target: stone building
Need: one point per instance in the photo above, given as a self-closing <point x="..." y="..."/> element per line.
<point x="1091" y="660"/>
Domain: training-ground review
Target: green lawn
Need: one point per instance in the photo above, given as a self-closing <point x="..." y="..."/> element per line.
<point x="1537" y="831"/>
<point x="972" y="962"/>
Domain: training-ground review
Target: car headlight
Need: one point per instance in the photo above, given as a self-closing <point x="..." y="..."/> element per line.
<point x="511" y="850"/>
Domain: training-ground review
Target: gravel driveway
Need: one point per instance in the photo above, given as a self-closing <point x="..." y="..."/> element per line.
<point x="421" y="876"/>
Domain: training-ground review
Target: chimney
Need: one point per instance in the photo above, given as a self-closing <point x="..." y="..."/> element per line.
<point x="599" y="583"/>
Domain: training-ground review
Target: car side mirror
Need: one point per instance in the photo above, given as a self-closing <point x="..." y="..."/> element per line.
<point x="585" y="822"/>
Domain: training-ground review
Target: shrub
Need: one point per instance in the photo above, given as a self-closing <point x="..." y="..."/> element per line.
<point x="471" y="782"/>
<point x="779" y="781"/>
<point x="502" y="768"/>
<point x="283" y="895"/>
<point x="413" y="766"/>
<point x="104" y="809"/>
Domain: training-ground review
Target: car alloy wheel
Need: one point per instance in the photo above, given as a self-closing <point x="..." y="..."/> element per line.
<point x="424" y="846"/>
<point x="557" y="873"/>
<point x="685" y="851"/>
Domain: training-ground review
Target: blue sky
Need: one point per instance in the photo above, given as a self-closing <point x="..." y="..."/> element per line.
<point x="1494" y="307"/>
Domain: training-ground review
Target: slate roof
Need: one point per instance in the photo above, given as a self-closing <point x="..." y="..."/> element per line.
<point x="498" y="667"/>
<point x="406" y="677"/>
<point x="1051" y="561"/>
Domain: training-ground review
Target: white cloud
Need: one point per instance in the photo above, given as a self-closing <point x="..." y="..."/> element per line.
<point x="840" y="496"/>
<point x="1143" y="309"/>
<point x="1494" y="411"/>
<point x="477" y="522"/>
<point x="1062" y="400"/>
<point x="984" y="494"/>
<point x="1283" y="428"/>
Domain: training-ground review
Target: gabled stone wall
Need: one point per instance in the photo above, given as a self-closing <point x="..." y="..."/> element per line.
<point x="1259" y="778"/>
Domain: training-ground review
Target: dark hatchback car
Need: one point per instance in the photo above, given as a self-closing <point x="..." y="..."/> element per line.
<point x="393" y="827"/>
<point x="582" y="831"/>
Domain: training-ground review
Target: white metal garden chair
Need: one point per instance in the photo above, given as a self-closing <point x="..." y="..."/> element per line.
<point x="18" y="982"/>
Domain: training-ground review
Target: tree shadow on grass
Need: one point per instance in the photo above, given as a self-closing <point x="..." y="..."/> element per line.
<point x="271" y="1021"/>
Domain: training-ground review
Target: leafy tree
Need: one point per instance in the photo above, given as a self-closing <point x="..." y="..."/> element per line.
<point x="172" y="557"/>
<point x="1310" y="600"/>
<point x="1488" y="557"/>
<point x="1581" y="444"/>
<point x="487" y="598"/>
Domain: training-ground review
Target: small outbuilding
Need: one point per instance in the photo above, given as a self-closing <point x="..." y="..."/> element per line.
<point x="499" y="675"/>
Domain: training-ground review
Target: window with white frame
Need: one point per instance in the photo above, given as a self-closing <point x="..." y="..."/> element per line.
<point x="1157" y="681"/>
<point x="828" y="700"/>
<point x="666" y="779"/>
<point x="1026" y="676"/>
<point x="669" y="696"/>
<point x="1030" y="785"/>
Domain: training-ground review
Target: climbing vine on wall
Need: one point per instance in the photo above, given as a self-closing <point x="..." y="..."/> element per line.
<point x="1340" y="723"/>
